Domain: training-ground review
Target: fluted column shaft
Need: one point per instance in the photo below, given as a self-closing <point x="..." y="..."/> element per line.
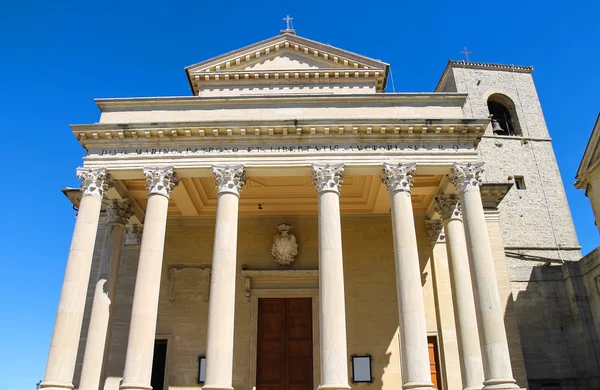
<point x="140" y="345"/>
<point x="118" y="213"/>
<point x="414" y="350"/>
<point x="448" y="207"/>
<point x="67" y="328"/>
<point x="221" y="308"/>
<point x="490" y="315"/>
<point x="334" y="354"/>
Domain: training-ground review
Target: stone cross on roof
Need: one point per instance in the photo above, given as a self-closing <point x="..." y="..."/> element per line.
<point x="288" y="23"/>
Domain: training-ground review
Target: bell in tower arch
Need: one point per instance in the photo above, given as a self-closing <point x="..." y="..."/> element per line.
<point x="497" y="128"/>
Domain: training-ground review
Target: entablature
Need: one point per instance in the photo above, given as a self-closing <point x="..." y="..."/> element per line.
<point x="433" y="129"/>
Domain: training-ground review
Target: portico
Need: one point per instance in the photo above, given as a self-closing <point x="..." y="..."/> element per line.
<point x="355" y="176"/>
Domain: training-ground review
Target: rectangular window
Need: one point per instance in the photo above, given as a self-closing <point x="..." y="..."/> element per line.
<point x="519" y="182"/>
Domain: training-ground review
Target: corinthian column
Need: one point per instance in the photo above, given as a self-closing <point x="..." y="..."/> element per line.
<point x="490" y="316"/>
<point x="118" y="213"/>
<point x="140" y="346"/>
<point x="448" y="207"/>
<point x="229" y="180"/>
<point x="414" y="350"/>
<point x="67" y="328"/>
<point x="334" y="354"/>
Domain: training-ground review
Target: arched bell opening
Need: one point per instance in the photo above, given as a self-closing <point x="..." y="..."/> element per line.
<point x="504" y="115"/>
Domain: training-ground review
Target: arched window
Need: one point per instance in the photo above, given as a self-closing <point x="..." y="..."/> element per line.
<point x="504" y="115"/>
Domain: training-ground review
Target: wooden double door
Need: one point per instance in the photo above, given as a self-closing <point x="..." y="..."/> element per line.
<point x="285" y="344"/>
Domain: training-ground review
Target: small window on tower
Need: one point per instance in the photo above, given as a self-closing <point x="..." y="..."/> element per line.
<point x="519" y="182"/>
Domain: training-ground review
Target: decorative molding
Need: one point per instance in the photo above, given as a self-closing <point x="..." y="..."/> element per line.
<point x="328" y="177"/>
<point x="89" y="134"/>
<point x="493" y="193"/>
<point x="94" y="182"/>
<point x="448" y="206"/>
<point x="279" y="280"/>
<point x="486" y="65"/>
<point x="119" y="211"/>
<point x="133" y="235"/>
<point x="284" y="248"/>
<point x="229" y="178"/>
<point x="160" y="180"/>
<point x="435" y="230"/>
<point x="398" y="177"/>
<point x="467" y="177"/>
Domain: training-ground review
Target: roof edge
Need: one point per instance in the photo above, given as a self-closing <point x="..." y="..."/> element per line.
<point x="589" y="150"/>
<point x="197" y="100"/>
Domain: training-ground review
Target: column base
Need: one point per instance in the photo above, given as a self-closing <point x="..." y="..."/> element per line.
<point x="217" y="387"/>
<point x="333" y="387"/>
<point x="501" y="384"/>
<point x="135" y="386"/>
<point x="52" y="385"/>
<point x="418" y="386"/>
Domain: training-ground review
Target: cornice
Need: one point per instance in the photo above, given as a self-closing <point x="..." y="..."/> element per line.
<point x="493" y="193"/>
<point x="105" y="104"/>
<point x="294" y="74"/>
<point x="418" y="129"/>
<point x="491" y="66"/>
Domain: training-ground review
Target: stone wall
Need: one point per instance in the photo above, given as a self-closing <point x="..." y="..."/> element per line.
<point x="559" y="340"/>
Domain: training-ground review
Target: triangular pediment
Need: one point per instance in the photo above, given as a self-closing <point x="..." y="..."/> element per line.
<point x="286" y="59"/>
<point x="286" y="53"/>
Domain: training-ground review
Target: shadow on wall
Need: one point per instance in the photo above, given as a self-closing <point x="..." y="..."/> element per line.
<point x="558" y="338"/>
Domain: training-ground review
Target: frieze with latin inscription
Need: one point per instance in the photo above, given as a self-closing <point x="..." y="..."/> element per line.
<point x="288" y="149"/>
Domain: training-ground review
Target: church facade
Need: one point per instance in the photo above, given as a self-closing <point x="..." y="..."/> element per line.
<point x="293" y="226"/>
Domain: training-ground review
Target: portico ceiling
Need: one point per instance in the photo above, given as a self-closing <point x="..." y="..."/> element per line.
<point x="288" y="195"/>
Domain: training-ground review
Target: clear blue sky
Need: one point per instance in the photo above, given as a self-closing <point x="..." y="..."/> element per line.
<point x="56" y="57"/>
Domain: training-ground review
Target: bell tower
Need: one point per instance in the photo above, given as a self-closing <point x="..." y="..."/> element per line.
<point x="536" y="222"/>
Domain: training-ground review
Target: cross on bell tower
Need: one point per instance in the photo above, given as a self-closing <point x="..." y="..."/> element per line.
<point x="466" y="53"/>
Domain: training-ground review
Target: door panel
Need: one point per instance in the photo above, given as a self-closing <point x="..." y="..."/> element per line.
<point x="434" y="362"/>
<point x="284" y="350"/>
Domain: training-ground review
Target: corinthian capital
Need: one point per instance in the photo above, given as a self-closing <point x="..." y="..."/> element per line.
<point x="118" y="211"/>
<point x="160" y="180"/>
<point x="448" y="206"/>
<point x="398" y="177"/>
<point x="435" y="230"/>
<point x="467" y="177"/>
<point x="229" y="178"/>
<point x="328" y="177"/>
<point x="133" y="235"/>
<point x="94" y="182"/>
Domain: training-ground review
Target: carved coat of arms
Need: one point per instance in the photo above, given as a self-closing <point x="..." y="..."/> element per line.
<point x="284" y="248"/>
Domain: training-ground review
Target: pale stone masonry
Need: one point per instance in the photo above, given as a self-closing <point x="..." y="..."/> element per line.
<point x="537" y="220"/>
<point x="425" y="235"/>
